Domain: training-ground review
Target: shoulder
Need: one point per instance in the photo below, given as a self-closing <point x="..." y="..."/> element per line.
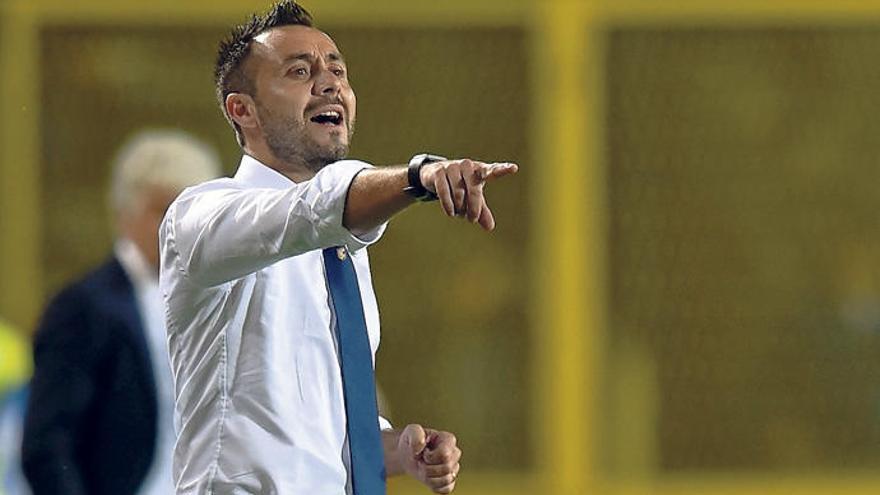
<point x="98" y="279"/>
<point x="198" y="200"/>
<point x="206" y="193"/>
<point x="212" y="186"/>
<point x="88" y="293"/>
<point x="107" y="277"/>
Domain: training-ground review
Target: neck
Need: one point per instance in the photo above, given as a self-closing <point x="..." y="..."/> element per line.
<point x="137" y="259"/>
<point x="295" y="171"/>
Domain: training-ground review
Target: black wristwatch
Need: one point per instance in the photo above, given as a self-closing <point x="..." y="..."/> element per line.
<point x="416" y="189"/>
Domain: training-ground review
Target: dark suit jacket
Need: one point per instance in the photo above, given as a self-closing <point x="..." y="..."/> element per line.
<point x="90" y="426"/>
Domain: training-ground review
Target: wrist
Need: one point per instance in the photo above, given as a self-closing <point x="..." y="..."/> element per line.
<point x="415" y="177"/>
<point x="394" y="461"/>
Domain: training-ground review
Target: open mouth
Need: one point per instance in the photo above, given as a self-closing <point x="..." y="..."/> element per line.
<point x="331" y="118"/>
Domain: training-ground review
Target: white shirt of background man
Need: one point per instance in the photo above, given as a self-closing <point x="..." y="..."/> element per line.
<point x="144" y="280"/>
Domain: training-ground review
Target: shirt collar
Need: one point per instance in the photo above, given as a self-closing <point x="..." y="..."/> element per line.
<point x="255" y="173"/>
<point x="133" y="262"/>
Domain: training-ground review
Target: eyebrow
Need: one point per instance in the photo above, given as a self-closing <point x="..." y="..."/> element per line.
<point x="309" y="57"/>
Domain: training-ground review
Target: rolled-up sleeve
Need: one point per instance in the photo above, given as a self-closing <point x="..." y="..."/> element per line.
<point x="224" y="229"/>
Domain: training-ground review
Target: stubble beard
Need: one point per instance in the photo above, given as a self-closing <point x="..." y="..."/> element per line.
<point x="288" y="139"/>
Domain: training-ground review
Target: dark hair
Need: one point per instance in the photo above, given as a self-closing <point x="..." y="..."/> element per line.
<point x="229" y="75"/>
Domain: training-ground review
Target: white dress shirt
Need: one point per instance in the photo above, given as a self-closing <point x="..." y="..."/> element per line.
<point x="145" y="281"/>
<point x="251" y="332"/>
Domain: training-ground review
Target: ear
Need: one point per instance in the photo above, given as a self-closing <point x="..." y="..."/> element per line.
<point x="242" y="110"/>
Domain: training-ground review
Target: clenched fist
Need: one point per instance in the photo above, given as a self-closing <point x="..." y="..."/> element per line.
<point x="430" y="456"/>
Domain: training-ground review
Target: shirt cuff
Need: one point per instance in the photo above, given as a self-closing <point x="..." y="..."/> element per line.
<point x="328" y="205"/>
<point x="384" y="424"/>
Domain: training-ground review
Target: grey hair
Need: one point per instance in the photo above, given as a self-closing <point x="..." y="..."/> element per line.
<point x="166" y="158"/>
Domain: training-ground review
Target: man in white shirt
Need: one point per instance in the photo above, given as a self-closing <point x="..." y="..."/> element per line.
<point x="248" y="273"/>
<point x="100" y="411"/>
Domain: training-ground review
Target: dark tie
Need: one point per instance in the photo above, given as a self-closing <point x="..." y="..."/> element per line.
<point x="358" y="383"/>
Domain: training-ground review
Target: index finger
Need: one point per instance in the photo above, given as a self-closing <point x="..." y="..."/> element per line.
<point x="496" y="170"/>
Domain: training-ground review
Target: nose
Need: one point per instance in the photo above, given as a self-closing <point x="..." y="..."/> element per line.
<point x="326" y="83"/>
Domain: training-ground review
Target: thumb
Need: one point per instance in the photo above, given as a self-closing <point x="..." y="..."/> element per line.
<point x="415" y="439"/>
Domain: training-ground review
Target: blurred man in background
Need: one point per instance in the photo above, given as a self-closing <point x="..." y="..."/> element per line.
<point x="15" y="369"/>
<point x="272" y="320"/>
<point x="100" y="413"/>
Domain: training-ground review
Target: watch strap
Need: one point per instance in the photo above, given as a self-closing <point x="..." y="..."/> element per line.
<point x="416" y="189"/>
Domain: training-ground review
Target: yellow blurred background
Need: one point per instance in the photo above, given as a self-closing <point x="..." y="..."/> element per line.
<point x="683" y="292"/>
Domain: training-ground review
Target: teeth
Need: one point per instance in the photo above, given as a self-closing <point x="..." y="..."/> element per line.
<point x="330" y="114"/>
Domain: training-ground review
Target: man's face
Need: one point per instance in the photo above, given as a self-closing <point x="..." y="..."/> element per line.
<point x="305" y="105"/>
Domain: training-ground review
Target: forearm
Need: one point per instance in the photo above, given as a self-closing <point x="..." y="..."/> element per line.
<point x="224" y="233"/>
<point x="393" y="462"/>
<point x="375" y="195"/>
